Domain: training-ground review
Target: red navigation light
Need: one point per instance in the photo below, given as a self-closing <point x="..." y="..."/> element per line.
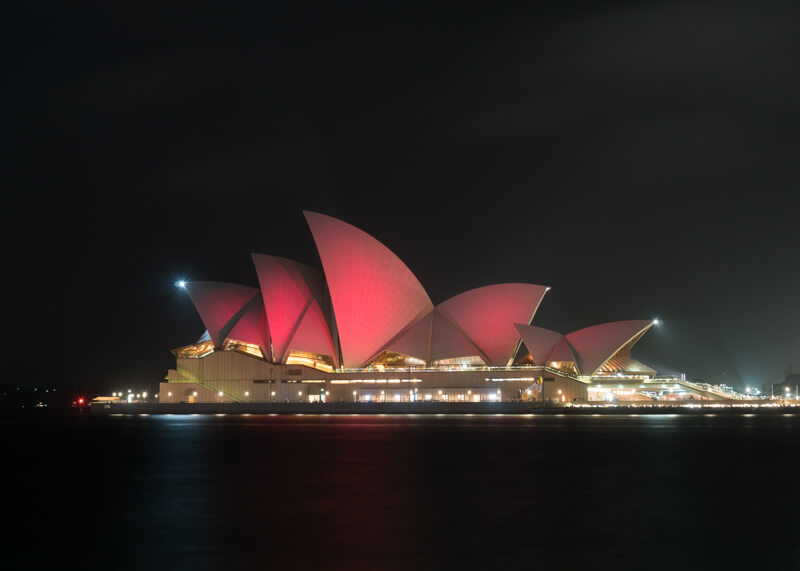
<point x="80" y="400"/>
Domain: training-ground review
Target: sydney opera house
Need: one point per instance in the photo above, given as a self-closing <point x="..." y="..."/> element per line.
<point x="365" y="330"/>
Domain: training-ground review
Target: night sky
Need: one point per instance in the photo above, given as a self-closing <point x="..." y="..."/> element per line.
<point x="641" y="158"/>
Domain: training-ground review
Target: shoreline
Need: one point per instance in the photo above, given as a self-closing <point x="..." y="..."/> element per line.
<point x="501" y="408"/>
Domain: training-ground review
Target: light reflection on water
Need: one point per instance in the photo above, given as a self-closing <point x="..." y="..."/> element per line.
<point x="415" y="491"/>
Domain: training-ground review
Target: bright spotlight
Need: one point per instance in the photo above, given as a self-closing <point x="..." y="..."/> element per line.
<point x="181" y="284"/>
<point x="656" y="322"/>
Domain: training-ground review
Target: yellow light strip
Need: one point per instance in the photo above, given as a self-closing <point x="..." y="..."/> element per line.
<point x="371" y="381"/>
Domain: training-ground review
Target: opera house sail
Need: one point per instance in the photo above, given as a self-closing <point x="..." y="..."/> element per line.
<point x="364" y="329"/>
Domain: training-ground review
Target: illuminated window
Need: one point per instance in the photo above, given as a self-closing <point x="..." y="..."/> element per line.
<point x="567" y="366"/>
<point x="195" y="351"/>
<point x="389" y="359"/>
<point x="468" y="361"/>
<point x="313" y="360"/>
<point x="243" y="347"/>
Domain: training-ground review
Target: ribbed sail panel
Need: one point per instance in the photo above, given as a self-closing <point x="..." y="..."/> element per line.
<point x="597" y="344"/>
<point x="218" y="303"/>
<point x="293" y="294"/>
<point x="487" y="316"/>
<point x="540" y="342"/>
<point x="313" y="335"/>
<point x="374" y="295"/>
<point x="251" y="327"/>
<point x="449" y="342"/>
<point x="562" y="353"/>
<point x="416" y="341"/>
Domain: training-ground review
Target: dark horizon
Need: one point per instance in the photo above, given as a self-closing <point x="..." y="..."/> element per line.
<point x="638" y="158"/>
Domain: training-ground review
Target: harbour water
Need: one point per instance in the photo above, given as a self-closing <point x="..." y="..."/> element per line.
<point x="627" y="491"/>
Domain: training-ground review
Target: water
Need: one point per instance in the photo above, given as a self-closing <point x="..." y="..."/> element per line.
<point x="402" y="492"/>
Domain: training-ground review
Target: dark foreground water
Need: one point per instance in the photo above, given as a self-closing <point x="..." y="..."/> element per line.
<point x="401" y="492"/>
